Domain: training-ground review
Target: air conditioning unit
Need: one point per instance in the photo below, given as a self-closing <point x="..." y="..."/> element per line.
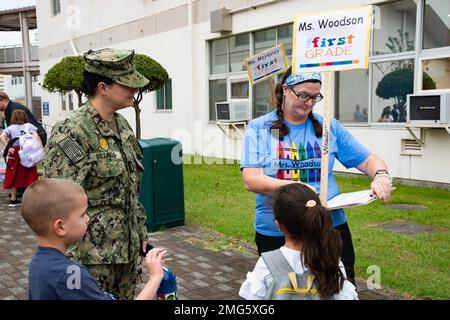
<point x="428" y="108"/>
<point x="233" y="111"/>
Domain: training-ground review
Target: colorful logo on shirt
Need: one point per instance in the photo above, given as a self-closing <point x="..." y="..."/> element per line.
<point x="299" y="163"/>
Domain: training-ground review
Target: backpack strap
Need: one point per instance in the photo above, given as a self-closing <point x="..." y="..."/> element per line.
<point x="276" y="262"/>
<point x="278" y="265"/>
<point x="9" y="145"/>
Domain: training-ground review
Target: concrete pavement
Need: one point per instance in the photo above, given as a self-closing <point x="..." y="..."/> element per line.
<point x="208" y="265"/>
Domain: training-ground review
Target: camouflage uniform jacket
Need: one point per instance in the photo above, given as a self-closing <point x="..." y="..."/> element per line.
<point x="85" y="149"/>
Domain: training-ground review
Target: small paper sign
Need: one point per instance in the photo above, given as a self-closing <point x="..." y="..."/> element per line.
<point x="266" y="63"/>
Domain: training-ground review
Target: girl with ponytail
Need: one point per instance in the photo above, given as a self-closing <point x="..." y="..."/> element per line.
<point x="284" y="147"/>
<point x="312" y="244"/>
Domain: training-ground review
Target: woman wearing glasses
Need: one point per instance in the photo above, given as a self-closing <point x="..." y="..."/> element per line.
<point x="284" y="147"/>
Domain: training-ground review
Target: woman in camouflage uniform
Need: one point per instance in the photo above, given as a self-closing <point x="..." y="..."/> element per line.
<point x="96" y="147"/>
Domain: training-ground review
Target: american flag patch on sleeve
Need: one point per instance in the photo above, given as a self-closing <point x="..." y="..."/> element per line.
<point x="71" y="149"/>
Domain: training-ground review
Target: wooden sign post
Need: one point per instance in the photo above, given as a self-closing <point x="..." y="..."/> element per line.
<point x="327" y="82"/>
<point x="273" y="98"/>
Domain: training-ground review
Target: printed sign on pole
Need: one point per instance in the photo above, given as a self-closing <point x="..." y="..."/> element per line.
<point x="332" y="41"/>
<point x="266" y="63"/>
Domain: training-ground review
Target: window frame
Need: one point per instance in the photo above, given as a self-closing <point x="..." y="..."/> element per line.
<point x="421" y="21"/>
<point x="417" y="55"/>
<point x="56" y="7"/>
<point x="64" y="103"/>
<point x="164" y="88"/>
<point x="371" y="121"/>
<point x="232" y="76"/>
<point x="434" y="56"/>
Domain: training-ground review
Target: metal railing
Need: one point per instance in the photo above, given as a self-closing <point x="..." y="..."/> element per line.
<point x="13" y="53"/>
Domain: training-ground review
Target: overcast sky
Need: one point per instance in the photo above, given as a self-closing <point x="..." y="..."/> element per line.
<point x="13" y="38"/>
<point x="12" y="4"/>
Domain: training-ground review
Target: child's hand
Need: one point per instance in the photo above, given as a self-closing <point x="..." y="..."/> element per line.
<point x="154" y="262"/>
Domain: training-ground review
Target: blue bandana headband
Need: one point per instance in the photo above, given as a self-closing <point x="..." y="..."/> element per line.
<point x="297" y="78"/>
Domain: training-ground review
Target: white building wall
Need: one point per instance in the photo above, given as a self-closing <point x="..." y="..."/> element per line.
<point x="183" y="51"/>
<point x="17" y="91"/>
<point x="2" y="82"/>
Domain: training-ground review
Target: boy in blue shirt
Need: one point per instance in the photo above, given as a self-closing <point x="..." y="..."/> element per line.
<point x="56" y="210"/>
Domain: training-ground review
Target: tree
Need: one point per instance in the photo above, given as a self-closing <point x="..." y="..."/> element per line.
<point x="157" y="75"/>
<point x="402" y="43"/>
<point x="66" y="76"/>
<point x="398" y="84"/>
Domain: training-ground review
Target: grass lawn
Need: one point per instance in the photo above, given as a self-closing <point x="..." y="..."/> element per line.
<point x="417" y="266"/>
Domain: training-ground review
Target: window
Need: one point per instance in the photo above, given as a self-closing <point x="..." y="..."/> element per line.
<point x="352" y="104"/>
<point x="227" y="89"/>
<point x="436" y="74"/>
<point x="239" y="89"/>
<point x="285" y="37"/>
<point x="390" y="77"/>
<point x="228" y="79"/>
<point x="265" y="39"/>
<point x="63" y="102"/>
<point x="397" y="28"/>
<point x="164" y="96"/>
<point x="239" y="50"/>
<point x="70" y="101"/>
<point x="219" y="61"/>
<point x="56" y="7"/>
<point x="262" y="99"/>
<point x="217" y="93"/>
<point x="391" y="83"/>
<point x="436" y="24"/>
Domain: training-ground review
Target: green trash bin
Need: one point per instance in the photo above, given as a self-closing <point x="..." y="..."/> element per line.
<point x="162" y="192"/>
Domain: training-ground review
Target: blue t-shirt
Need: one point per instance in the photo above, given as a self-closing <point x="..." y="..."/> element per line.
<point x="53" y="276"/>
<point x="298" y="157"/>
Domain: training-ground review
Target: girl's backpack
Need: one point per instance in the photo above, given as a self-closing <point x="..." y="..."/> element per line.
<point x="31" y="151"/>
<point x="286" y="284"/>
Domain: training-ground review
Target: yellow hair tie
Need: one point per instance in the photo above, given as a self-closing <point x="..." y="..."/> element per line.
<point x="311" y="203"/>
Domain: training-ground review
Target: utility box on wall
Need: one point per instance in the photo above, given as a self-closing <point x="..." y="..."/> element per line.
<point x="162" y="191"/>
<point x="221" y="20"/>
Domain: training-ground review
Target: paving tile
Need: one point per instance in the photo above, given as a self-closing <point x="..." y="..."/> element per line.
<point x="226" y="268"/>
<point x="200" y="283"/>
<point x="204" y="265"/>
<point x="198" y="275"/>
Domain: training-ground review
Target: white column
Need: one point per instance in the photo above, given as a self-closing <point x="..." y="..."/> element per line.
<point x="26" y="60"/>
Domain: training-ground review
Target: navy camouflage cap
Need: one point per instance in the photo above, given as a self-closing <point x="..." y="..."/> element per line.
<point x="115" y="64"/>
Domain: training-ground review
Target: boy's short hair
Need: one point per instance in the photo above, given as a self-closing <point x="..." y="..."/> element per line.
<point x="47" y="200"/>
